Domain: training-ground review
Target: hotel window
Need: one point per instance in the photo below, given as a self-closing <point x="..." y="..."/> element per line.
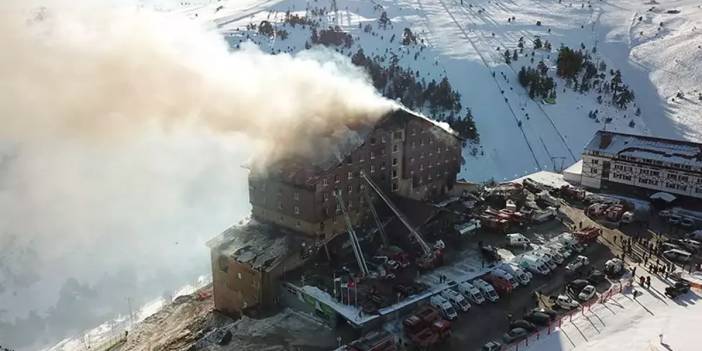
<point x="394" y="161"/>
<point x="412" y="160"/>
<point x="413" y="144"/>
<point x="372" y="141"/>
<point x="395" y="186"/>
<point x="280" y="205"/>
<point x="382" y="138"/>
<point x="372" y="155"/>
<point x="297" y="210"/>
<point x="349" y="188"/>
<point x="336" y="178"/>
<point x="395" y="148"/>
<point x="296" y="196"/>
<point x="397" y="135"/>
<point x="382" y="165"/>
<point x="350" y="175"/>
<point x="372" y="169"/>
<point x="360" y="157"/>
<point x="325" y="182"/>
<point x="394" y="172"/>
<point x="325" y="197"/>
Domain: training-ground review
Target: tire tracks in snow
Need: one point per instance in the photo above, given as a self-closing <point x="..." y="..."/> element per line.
<point x="470" y="17"/>
<point x="492" y="74"/>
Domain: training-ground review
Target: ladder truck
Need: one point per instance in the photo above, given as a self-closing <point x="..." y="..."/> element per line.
<point x="430" y="257"/>
<point x="355" y="244"/>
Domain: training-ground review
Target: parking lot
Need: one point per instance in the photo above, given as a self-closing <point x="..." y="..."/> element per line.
<point x="489" y="321"/>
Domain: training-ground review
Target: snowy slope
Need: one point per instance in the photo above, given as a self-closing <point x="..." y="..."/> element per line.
<point x="461" y="41"/>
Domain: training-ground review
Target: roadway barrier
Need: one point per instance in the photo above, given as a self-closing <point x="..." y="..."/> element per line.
<point x="615" y="289"/>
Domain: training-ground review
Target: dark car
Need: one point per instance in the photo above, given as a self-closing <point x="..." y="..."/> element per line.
<point x="550" y="313"/>
<point x="576" y="286"/>
<point x="538" y="318"/>
<point x="596" y="277"/>
<point x="524" y="324"/>
<point x="490" y="253"/>
<point x="679" y="288"/>
<point x="515" y="334"/>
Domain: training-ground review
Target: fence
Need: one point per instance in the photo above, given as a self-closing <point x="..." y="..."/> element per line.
<point x="615" y="289"/>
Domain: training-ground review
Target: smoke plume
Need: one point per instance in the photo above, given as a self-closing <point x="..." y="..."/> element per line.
<point x="103" y="75"/>
<point x="122" y="135"/>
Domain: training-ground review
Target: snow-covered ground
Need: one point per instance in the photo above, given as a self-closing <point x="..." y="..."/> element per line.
<point x="652" y="321"/>
<point x="464" y="40"/>
<point x="461" y="40"/>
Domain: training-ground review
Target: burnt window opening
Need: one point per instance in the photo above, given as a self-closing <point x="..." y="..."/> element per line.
<point x="223" y="263"/>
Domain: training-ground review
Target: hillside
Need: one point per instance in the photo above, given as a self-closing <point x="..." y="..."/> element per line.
<point x="465" y="42"/>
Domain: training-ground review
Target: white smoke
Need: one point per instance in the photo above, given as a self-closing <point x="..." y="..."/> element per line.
<point x="122" y="133"/>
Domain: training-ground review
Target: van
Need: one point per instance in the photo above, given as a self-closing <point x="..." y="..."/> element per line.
<point x="456" y="299"/>
<point x="517" y="239"/>
<point x="677" y="255"/>
<point x="444" y="307"/>
<point x="487" y="290"/>
<point x="507" y="276"/>
<point x="546" y="258"/>
<point x="523" y="277"/>
<point x="471" y="292"/>
<point x="562" y="249"/>
<point x="569" y="240"/>
<point x="534" y="264"/>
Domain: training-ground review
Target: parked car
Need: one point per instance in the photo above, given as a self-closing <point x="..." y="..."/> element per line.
<point x="576" y="286"/>
<point x="492" y="346"/>
<point x="674" y="219"/>
<point x="534" y="264"/>
<point x="578" y="263"/>
<point x="471" y="292"/>
<point x="518" y="239"/>
<point x="679" y="288"/>
<point x="524" y="324"/>
<point x="566" y="302"/>
<point x="456" y="299"/>
<point x="614" y="267"/>
<point x="687" y="222"/>
<point x="515" y="334"/>
<point x="502" y="285"/>
<point x="595" y="277"/>
<point x="538" y="318"/>
<point x="444" y="307"/>
<point x="677" y="255"/>
<point x="551" y="313"/>
<point x="587" y="293"/>
<point x="487" y="290"/>
<point x="506" y="275"/>
<point x="523" y="277"/>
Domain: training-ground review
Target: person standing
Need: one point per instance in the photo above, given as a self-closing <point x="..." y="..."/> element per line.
<point x="648" y="281"/>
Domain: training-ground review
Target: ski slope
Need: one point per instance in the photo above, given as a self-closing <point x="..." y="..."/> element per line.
<point x="464" y="40"/>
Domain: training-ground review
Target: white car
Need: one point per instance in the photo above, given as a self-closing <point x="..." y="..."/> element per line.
<point x="456" y="299"/>
<point x="579" y="262"/>
<point x="471" y="292"/>
<point x="566" y="303"/>
<point x="587" y="293"/>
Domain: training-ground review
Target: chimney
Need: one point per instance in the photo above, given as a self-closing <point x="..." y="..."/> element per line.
<point x="605" y="139"/>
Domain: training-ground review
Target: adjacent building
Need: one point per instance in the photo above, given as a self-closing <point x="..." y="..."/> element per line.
<point x="404" y="153"/>
<point x="642" y="164"/>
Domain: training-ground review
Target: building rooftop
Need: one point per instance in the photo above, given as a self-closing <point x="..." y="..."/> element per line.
<point x="304" y="171"/>
<point x="262" y="246"/>
<point x="680" y="152"/>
